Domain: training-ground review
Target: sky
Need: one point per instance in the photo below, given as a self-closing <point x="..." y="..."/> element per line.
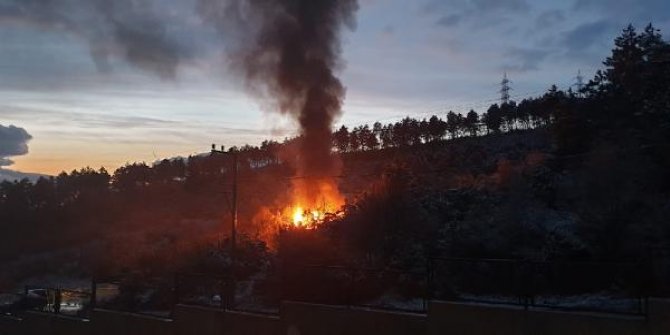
<point x="104" y="83"/>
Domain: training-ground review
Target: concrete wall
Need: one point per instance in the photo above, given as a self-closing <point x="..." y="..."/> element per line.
<point x="558" y="323"/>
<point x="240" y="323"/>
<point x="211" y="321"/>
<point x="659" y="317"/>
<point x="307" y="319"/>
<point x="51" y="324"/>
<point x="473" y="319"/>
<point x="104" y="322"/>
<point x="460" y="319"/>
<point x="9" y="325"/>
<point x="198" y="320"/>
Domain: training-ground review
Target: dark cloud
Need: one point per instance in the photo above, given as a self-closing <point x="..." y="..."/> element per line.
<point x="136" y="31"/>
<point x="478" y="6"/>
<point x="500" y="5"/>
<point x="450" y="20"/>
<point x="630" y="10"/>
<point x="589" y="34"/>
<point x="13" y="142"/>
<point x="524" y="60"/>
<point x="481" y="13"/>
<point x="550" y="18"/>
<point x="6" y="161"/>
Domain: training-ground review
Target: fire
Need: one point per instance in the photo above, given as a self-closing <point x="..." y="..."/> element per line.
<point x="298" y="212"/>
<point x="310" y="214"/>
<point x="309" y="218"/>
<point x="298" y="216"/>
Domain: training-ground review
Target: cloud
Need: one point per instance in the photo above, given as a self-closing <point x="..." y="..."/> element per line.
<point x="586" y="35"/>
<point x="526" y="59"/>
<point x="630" y="10"/>
<point x="549" y="18"/>
<point x="450" y="20"/>
<point x="6" y="161"/>
<point x="480" y="6"/>
<point x="388" y="30"/>
<point x="12" y="175"/>
<point x="138" y="32"/>
<point x="13" y="142"/>
<point x="480" y="13"/>
<point x="85" y="120"/>
<point x="501" y="5"/>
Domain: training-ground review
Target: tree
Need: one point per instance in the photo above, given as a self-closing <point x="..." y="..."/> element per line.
<point x="436" y="128"/>
<point x="386" y="136"/>
<point x="493" y="119"/>
<point x="508" y="113"/>
<point x="472" y="122"/>
<point x="623" y="67"/>
<point x="524" y="113"/>
<point x="341" y="139"/>
<point x="406" y="132"/>
<point x="550" y="103"/>
<point x="270" y="150"/>
<point x="15" y="198"/>
<point x="424" y="129"/>
<point x="44" y="193"/>
<point x="169" y="170"/>
<point x="454" y="123"/>
<point x="355" y="140"/>
<point x="377" y="129"/>
<point x="131" y="177"/>
<point x="368" y="138"/>
<point x="412" y="130"/>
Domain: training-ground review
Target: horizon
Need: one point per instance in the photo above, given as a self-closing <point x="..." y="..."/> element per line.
<point x="416" y="60"/>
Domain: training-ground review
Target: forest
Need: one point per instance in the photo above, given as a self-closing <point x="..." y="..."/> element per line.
<point x="568" y="175"/>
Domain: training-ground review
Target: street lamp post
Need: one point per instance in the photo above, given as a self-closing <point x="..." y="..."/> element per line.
<point x="233" y="228"/>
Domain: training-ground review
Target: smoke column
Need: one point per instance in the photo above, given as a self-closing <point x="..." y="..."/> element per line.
<point x="288" y="52"/>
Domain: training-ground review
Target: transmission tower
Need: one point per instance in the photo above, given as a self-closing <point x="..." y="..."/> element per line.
<point x="504" y="90"/>
<point x="580" y="82"/>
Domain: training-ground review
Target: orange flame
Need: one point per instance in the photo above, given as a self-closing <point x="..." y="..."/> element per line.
<point x="310" y="210"/>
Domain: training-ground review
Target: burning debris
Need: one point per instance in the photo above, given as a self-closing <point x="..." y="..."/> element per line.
<point x="291" y="64"/>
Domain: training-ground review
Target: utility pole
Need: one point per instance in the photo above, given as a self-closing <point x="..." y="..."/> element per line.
<point x="233" y="226"/>
<point x="504" y="90"/>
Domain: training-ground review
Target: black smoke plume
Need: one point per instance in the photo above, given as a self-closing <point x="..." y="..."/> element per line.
<point x="288" y="52"/>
